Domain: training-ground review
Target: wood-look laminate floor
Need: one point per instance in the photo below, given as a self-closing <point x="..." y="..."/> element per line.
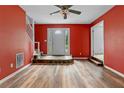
<point x="81" y="74"/>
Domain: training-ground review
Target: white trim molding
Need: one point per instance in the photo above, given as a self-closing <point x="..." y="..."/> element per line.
<point x="80" y="58"/>
<point x="13" y="74"/>
<point x="114" y="71"/>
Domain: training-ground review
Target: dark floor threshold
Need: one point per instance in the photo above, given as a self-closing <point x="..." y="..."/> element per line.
<point x="96" y="61"/>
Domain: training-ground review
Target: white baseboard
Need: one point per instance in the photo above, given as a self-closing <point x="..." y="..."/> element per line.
<point x="80" y="57"/>
<point x="13" y="74"/>
<point x="114" y="71"/>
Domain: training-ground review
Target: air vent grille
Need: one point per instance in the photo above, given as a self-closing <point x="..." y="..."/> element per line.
<point x="19" y="60"/>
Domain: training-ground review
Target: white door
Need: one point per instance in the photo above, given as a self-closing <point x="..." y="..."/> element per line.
<point x="97" y="41"/>
<point x="57" y="41"/>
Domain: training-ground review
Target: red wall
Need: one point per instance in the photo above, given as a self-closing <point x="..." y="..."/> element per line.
<point x="79" y="37"/>
<point x="13" y="38"/>
<point x="114" y="38"/>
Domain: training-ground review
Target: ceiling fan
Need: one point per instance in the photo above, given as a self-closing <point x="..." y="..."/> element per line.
<point x="64" y="10"/>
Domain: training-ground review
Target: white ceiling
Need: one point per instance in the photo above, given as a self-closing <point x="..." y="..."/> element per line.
<point x="40" y="13"/>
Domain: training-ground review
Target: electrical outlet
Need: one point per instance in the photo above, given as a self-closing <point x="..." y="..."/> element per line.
<point x="11" y="65"/>
<point x="80" y="53"/>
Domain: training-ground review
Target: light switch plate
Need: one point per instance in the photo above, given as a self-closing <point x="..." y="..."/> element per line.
<point x="45" y="40"/>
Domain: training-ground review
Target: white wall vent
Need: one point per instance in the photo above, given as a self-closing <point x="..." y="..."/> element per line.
<point x="19" y="60"/>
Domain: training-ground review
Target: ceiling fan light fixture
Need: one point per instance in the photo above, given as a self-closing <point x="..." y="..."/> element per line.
<point x="65" y="11"/>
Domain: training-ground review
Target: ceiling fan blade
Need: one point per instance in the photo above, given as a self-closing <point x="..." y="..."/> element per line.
<point x="63" y="6"/>
<point x="59" y="6"/>
<point x="55" y="12"/>
<point x="75" y="11"/>
<point x="67" y="6"/>
<point x="65" y="16"/>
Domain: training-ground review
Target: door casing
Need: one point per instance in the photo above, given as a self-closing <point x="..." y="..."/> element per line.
<point x="92" y="36"/>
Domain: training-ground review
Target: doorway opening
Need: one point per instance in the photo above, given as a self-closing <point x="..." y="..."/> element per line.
<point x="97" y="41"/>
<point x="58" y="41"/>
